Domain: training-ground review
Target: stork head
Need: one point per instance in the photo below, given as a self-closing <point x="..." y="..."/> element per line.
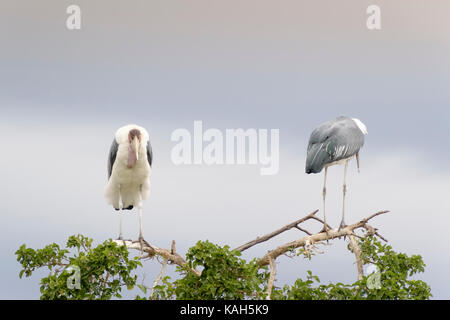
<point x="360" y="125"/>
<point x="134" y="138"/>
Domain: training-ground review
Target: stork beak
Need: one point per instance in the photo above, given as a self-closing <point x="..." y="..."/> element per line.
<point x="135" y="144"/>
<point x="133" y="152"/>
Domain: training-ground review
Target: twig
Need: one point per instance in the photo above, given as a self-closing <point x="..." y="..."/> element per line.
<point x="305" y="231"/>
<point x="172" y="248"/>
<point x="379" y="236"/>
<point x="321" y="221"/>
<point x="374" y="215"/>
<point x="373" y="231"/>
<point x="163" y="268"/>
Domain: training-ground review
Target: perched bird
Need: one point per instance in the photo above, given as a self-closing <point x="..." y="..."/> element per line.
<point x="335" y="142"/>
<point x="129" y="168"/>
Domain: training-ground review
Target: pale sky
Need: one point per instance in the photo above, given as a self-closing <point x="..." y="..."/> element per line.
<point x="287" y="65"/>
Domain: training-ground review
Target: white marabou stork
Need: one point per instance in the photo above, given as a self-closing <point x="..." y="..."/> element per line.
<point x="335" y="142"/>
<point x="129" y="168"/>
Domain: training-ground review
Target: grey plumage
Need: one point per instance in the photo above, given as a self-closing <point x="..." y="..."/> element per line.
<point x="149" y="153"/>
<point x="112" y="156"/>
<point x="332" y="141"/>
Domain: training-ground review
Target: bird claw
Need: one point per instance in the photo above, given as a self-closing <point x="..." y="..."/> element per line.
<point x="342" y="226"/>
<point x="143" y="242"/>
<point x="120" y="238"/>
<point x="325" y="229"/>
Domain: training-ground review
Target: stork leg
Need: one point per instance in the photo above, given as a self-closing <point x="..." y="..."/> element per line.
<point x="121" y="218"/>
<point x="121" y="215"/>
<point x="357" y="160"/>
<point x="324" y="193"/>
<point x="140" y="213"/>
<point x="141" y="237"/>
<point x="140" y="223"/>
<point x="344" y="191"/>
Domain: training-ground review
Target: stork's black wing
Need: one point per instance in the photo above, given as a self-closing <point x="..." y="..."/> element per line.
<point x="112" y="156"/>
<point x="149" y="153"/>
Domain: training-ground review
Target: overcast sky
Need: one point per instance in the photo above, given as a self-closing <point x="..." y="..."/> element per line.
<point x="287" y="65"/>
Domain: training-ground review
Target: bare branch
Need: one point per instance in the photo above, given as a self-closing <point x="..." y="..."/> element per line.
<point x="332" y="234"/>
<point x="172" y="257"/>
<point x="153" y="250"/>
<point x="379" y="236"/>
<point x="321" y="221"/>
<point x="374" y="215"/>
<point x="273" y="273"/>
<point x="354" y="246"/>
<point x="172" y="248"/>
<point x="373" y="231"/>
<point x="305" y="231"/>
<point x="163" y="268"/>
<point x="276" y="232"/>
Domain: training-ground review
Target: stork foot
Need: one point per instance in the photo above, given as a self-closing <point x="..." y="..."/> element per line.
<point x="141" y="242"/>
<point x="120" y="238"/>
<point x="342" y="225"/>
<point x="325" y="229"/>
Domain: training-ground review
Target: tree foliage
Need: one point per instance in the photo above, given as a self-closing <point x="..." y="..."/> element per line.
<point x="106" y="269"/>
<point x="103" y="270"/>
<point x="389" y="281"/>
<point x="224" y="276"/>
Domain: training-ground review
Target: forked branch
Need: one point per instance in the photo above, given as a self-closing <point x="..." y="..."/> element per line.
<point x="319" y="237"/>
<point x="277" y="232"/>
<point x="170" y="255"/>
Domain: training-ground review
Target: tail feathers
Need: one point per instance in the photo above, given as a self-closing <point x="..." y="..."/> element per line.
<point x="127" y="196"/>
<point x="127" y="208"/>
<point x="112" y="195"/>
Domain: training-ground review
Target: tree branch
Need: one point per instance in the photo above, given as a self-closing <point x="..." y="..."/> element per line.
<point x="276" y="232"/>
<point x="273" y="273"/>
<point x="163" y="268"/>
<point x="332" y="234"/>
<point x="354" y="246"/>
<point x="170" y="255"/>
